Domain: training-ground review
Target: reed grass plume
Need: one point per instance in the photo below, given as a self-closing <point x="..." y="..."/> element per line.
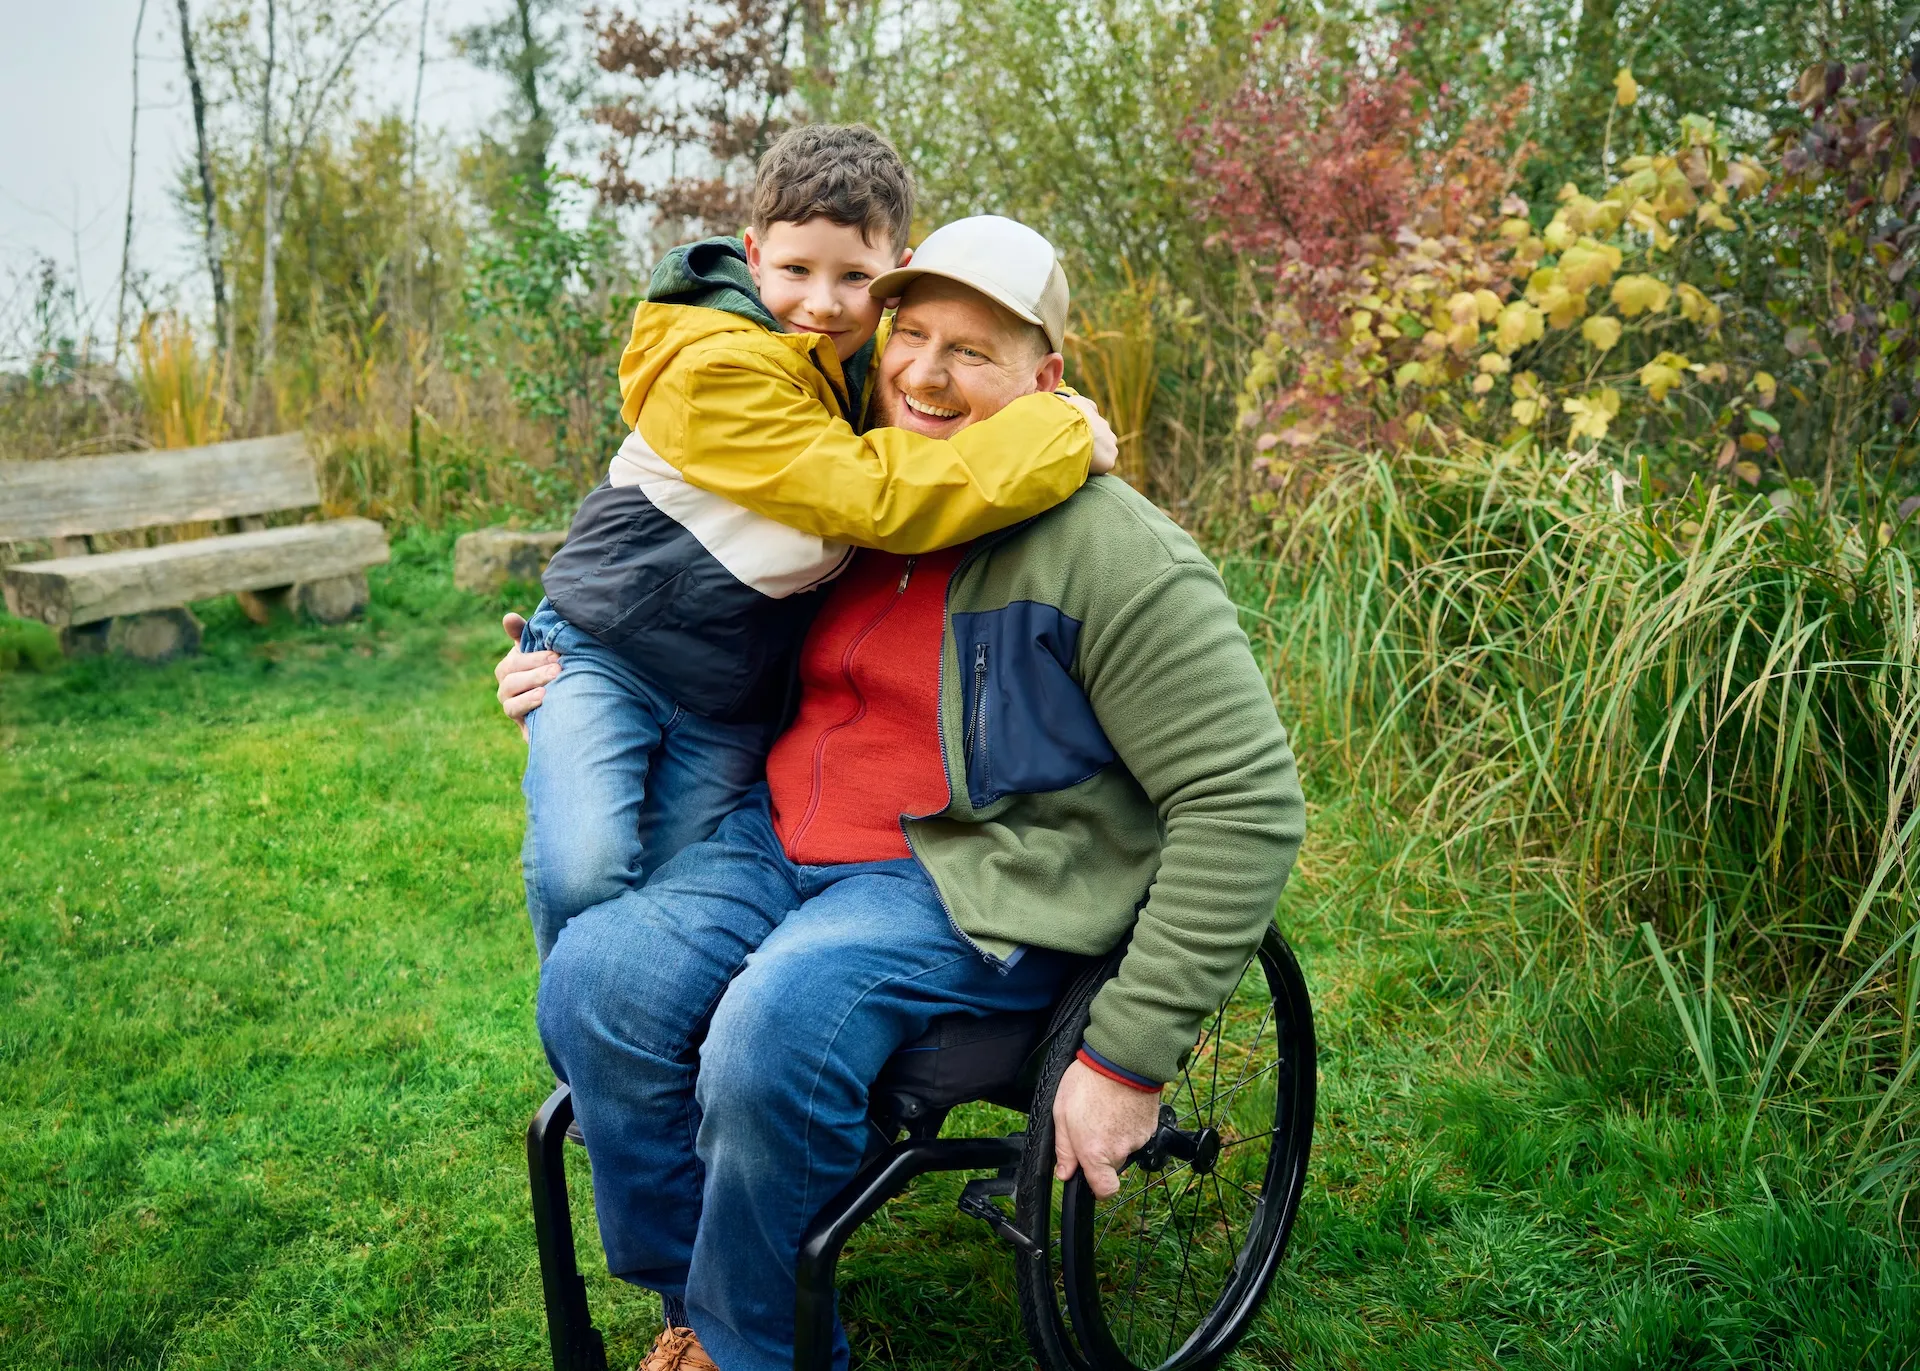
<point x="180" y="391"/>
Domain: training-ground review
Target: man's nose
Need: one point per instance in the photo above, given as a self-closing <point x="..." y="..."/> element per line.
<point x="926" y="372"/>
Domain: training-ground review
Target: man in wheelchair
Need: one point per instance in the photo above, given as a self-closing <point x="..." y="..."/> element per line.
<point x="1006" y="758"/>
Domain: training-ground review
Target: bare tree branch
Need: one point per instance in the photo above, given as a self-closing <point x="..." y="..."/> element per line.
<point x="133" y="152"/>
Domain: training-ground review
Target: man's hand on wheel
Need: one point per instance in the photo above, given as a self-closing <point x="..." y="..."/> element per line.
<point x="1106" y="447"/>
<point x="523" y="676"/>
<point x="1097" y="1124"/>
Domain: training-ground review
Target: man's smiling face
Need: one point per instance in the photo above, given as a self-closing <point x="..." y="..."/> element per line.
<point x="956" y="357"/>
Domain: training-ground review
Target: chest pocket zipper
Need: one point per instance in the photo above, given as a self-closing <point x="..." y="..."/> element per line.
<point x="976" y="742"/>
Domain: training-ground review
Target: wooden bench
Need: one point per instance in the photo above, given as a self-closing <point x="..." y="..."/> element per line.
<point x="134" y="601"/>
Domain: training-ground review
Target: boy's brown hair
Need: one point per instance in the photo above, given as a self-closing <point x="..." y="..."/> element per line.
<point x="847" y="173"/>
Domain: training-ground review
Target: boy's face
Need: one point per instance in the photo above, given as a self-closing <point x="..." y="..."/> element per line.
<point x="813" y="278"/>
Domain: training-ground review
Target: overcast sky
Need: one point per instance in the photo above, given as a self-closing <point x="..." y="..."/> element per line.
<point x="65" y="104"/>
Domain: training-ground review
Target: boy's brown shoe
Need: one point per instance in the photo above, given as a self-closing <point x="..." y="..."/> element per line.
<point x="677" y="1349"/>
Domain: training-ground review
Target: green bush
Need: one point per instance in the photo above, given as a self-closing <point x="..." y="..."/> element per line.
<point x="27" y="646"/>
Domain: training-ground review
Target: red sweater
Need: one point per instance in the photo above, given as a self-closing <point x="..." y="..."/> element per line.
<point x="864" y="748"/>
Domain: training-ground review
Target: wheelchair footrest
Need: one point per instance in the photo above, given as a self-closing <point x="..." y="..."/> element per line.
<point x="977" y="1201"/>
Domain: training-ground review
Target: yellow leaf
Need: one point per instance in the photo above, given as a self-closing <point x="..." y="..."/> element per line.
<point x="1766" y="385"/>
<point x="1753" y="442"/>
<point x="1592" y="413"/>
<point x="1526" y="385"/>
<point x="1559" y="233"/>
<point x="1748" y="472"/>
<point x="1463" y="338"/>
<point x="1542" y="281"/>
<point x="1513" y="230"/>
<point x="1746" y="177"/>
<point x="1587" y="264"/>
<point x="1519" y="324"/>
<point x="1711" y="215"/>
<point x="1482" y="384"/>
<point x="1602" y="331"/>
<point x="1662" y="374"/>
<point x="1625" y="89"/>
<point x="1694" y="305"/>
<point x="1634" y="295"/>
<point x="1462" y="308"/>
<point x="1410" y="374"/>
<point x="1488" y="305"/>
<point x="1563" y="306"/>
<point x="1360" y="320"/>
<point x="1494" y="364"/>
<point x="1526" y="412"/>
<point x="1714" y="371"/>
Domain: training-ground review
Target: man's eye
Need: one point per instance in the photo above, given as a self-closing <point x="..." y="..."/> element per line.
<point x="969" y="352"/>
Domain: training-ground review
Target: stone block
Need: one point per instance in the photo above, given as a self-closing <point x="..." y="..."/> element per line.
<point x="486" y="559"/>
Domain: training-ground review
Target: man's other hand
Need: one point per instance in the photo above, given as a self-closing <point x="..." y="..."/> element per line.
<point x="1106" y="447"/>
<point x="1097" y="1124"/>
<point x="523" y="676"/>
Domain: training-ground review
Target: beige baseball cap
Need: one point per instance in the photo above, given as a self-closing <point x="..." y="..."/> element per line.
<point x="1004" y="260"/>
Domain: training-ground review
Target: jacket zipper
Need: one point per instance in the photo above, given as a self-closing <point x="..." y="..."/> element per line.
<point x="976" y="730"/>
<point x="846" y="670"/>
<point x="946" y="772"/>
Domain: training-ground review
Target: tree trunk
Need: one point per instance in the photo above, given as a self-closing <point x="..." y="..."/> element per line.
<point x="270" y="225"/>
<point x="126" y="233"/>
<point x="199" y="96"/>
<point x="538" y="134"/>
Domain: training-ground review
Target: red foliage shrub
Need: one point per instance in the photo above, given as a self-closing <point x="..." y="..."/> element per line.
<point x="1299" y="177"/>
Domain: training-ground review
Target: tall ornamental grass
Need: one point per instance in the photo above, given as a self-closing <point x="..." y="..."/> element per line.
<point x="1702" y="712"/>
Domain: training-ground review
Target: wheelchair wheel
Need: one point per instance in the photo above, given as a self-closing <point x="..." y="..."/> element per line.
<point x="1169" y="1272"/>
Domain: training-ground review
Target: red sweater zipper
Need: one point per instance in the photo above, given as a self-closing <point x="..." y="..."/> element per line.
<point x="846" y="671"/>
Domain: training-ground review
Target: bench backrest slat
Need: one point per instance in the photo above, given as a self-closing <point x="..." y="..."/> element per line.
<point x="146" y="489"/>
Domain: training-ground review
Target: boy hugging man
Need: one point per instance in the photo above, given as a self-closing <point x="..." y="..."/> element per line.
<point x="685" y="584"/>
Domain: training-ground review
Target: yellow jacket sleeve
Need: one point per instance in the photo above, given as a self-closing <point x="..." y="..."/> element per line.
<point x="738" y="424"/>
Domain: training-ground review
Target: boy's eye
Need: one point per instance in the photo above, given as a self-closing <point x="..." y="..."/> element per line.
<point x="797" y="271"/>
<point x="856" y="276"/>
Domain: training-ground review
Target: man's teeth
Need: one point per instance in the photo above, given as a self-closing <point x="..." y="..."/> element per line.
<point x="931" y="411"/>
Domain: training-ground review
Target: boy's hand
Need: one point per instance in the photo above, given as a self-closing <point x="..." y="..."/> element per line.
<point x="523" y="676"/>
<point x="1106" y="447"/>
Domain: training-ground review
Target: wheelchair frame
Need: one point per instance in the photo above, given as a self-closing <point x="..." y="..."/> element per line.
<point x="577" y="1344"/>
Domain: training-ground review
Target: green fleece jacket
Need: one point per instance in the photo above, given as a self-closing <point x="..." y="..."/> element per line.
<point x="1116" y="769"/>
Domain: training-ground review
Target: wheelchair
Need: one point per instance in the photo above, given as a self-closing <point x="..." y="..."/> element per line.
<point x="1166" y="1274"/>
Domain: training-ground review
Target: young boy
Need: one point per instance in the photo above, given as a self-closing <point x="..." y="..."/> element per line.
<point x="684" y="584"/>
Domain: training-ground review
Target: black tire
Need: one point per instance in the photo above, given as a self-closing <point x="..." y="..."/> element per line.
<point x="1169" y="1273"/>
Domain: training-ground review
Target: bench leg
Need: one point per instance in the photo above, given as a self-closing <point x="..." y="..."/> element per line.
<point x="262" y="606"/>
<point x="333" y="600"/>
<point x="159" y="635"/>
<point x="577" y="1344"/>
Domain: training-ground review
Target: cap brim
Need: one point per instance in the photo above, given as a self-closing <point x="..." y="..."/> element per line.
<point x="896" y="281"/>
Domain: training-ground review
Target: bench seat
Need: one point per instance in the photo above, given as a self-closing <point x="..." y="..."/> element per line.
<point x="68" y="591"/>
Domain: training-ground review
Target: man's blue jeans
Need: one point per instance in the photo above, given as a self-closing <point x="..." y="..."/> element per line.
<point x="620" y="777"/>
<point x="721" y="1028"/>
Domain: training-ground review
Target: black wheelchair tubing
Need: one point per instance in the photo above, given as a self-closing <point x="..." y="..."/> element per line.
<point x="1078" y="1339"/>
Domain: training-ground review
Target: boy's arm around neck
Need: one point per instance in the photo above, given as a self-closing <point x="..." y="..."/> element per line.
<point x="740" y="423"/>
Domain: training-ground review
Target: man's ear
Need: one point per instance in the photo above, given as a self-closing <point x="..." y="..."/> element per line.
<point x="1051" y="369"/>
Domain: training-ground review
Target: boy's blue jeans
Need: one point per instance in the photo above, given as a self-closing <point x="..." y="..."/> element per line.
<point x="619" y="777"/>
<point x="720" y="1029"/>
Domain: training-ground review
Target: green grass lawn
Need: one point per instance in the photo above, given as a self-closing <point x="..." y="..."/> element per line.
<point x="267" y="1055"/>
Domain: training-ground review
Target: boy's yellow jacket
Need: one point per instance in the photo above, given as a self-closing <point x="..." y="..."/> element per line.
<point x="745" y="484"/>
<point x="761" y="419"/>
